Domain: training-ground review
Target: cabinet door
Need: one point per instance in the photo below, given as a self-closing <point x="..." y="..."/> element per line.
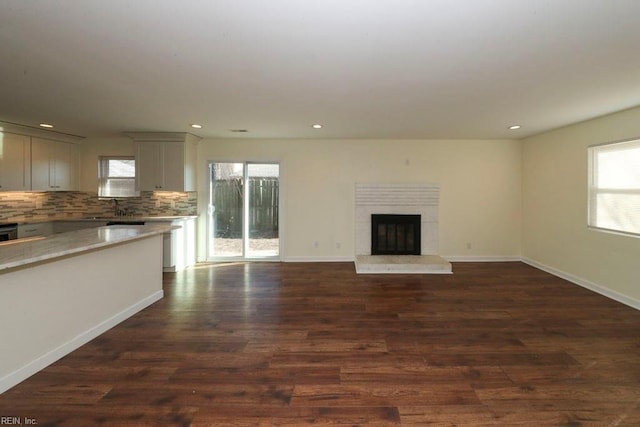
<point x="53" y="165"/>
<point x="15" y="162"/>
<point x="173" y="166"/>
<point x="148" y="166"/>
<point x="62" y="166"/>
<point x="66" y="226"/>
<point x="165" y="166"/>
<point x="168" y="252"/>
<point x="40" y="164"/>
<point x="35" y="230"/>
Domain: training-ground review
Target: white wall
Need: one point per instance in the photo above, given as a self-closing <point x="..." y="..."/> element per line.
<point x="89" y="152"/>
<point x="480" y="189"/>
<point x="555" y="233"/>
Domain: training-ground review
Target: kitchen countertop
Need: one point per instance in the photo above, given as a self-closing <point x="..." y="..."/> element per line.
<point x="19" y="253"/>
<point x="131" y="218"/>
<point x="108" y="218"/>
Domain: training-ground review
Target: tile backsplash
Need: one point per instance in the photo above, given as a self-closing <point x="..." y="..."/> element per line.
<point x="28" y="206"/>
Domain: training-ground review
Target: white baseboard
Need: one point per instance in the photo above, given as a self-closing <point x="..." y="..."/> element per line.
<point x="476" y="258"/>
<point x="602" y="290"/>
<point x="47" y="359"/>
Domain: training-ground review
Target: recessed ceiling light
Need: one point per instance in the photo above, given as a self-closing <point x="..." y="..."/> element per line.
<point x="317" y="126"/>
<point x="196" y="126"/>
<point x="514" y="127"/>
<point x="46" y="125"/>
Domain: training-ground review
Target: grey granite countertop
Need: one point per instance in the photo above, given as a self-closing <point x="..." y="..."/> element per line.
<point x="22" y="252"/>
<point x="107" y="218"/>
<point x="132" y="218"/>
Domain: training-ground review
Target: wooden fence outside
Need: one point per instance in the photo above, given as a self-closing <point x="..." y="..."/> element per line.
<point x="263" y="207"/>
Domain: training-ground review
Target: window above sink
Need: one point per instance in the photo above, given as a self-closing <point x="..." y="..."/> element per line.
<point x="117" y="177"/>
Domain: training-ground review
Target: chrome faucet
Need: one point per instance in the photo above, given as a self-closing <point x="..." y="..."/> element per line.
<point x="116" y="210"/>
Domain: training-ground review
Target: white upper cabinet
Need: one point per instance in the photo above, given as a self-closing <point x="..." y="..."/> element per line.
<point x="37" y="160"/>
<point x="149" y="165"/>
<point x="165" y="161"/>
<point x="54" y="165"/>
<point x="15" y="162"/>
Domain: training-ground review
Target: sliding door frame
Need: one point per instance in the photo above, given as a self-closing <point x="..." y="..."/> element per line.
<point x="210" y="257"/>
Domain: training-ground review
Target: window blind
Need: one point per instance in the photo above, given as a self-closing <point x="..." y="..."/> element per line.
<point x="117" y="177"/>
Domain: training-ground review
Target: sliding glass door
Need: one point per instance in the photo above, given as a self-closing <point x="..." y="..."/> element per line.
<point x="243" y="211"/>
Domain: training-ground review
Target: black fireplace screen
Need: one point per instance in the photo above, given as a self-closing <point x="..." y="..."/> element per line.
<point x="395" y="234"/>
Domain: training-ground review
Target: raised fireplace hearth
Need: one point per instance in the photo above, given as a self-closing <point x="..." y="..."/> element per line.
<point x="395" y="234"/>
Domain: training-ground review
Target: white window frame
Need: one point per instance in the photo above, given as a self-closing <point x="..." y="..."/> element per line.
<point x="102" y="179"/>
<point x="594" y="190"/>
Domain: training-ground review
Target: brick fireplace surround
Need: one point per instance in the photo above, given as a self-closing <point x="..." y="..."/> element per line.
<point x="401" y="199"/>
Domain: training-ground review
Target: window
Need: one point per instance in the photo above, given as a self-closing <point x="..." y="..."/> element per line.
<point x="614" y="187"/>
<point x="117" y="177"/>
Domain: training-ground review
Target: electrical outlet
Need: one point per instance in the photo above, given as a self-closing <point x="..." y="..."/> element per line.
<point x="173" y="204"/>
<point x="468" y="245"/>
<point x="38" y="204"/>
<point x="316" y="244"/>
<point x="157" y="203"/>
<point x="338" y="245"/>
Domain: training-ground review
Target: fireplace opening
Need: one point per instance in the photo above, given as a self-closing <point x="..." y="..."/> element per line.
<point x="395" y="234"/>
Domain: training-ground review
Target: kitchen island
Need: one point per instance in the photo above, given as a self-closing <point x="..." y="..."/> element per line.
<point x="59" y="292"/>
<point x="179" y="244"/>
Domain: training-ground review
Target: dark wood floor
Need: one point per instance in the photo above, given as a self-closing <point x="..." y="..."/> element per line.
<point x="295" y="344"/>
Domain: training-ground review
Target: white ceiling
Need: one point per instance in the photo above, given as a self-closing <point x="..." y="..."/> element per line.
<point x="362" y="68"/>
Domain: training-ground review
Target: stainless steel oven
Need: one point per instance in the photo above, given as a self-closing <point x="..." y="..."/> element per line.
<point x="8" y="231"/>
